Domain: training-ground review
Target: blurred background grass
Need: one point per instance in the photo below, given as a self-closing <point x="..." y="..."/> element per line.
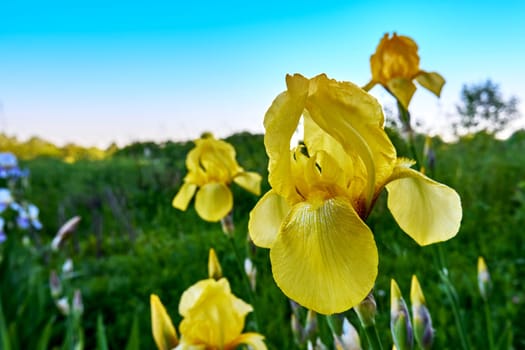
<point x="131" y="242"/>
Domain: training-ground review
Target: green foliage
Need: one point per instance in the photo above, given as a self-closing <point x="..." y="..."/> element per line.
<point x="134" y="336"/>
<point x="102" y="342"/>
<point x="37" y="147"/>
<point x="131" y="243"/>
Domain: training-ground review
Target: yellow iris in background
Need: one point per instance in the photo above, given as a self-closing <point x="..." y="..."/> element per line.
<point x="213" y="319"/>
<point x="323" y="254"/>
<point x="211" y="169"/>
<point x="395" y="65"/>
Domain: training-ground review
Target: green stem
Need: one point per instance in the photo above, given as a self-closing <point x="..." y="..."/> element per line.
<point x="452" y="297"/>
<point x="505" y="341"/>
<point x="404" y="115"/>
<point x="373" y="337"/>
<point x="488" y="320"/>
<point x="246" y="280"/>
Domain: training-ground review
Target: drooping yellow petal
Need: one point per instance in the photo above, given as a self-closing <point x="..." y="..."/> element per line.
<point x="183" y="197"/>
<point x="250" y="181"/>
<point x="212" y="315"/>
<point x="163" y="331"/>
<point x="403" y="90"/>
<point x="254" y="340"/>
<point x="280" y="122"/>
<point x="426" y="210"/>
<point x="325" y="257"/>
<point x="431" y="81"/>
<point x="213" y="201"/>
<point x="266" y="218"/>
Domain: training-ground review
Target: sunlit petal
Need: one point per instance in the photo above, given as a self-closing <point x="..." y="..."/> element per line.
<point x="163" y="331"/>
<point x="325" y="256"/>
<point x="426" y="210"/>
<point x="266" y="218"/>
<point x="184" y="196"/>
<point x="185" y="346"/>
<point x="355" y="119"/>
<point x="250" y="181"/>
<point x="212" y="315"/>
<point x="431" y="81"/>
<point x="213" y="201"/>
<point x="254" y="340"/>
<point x="395" y="57"/>
<point x="280" y="122"/>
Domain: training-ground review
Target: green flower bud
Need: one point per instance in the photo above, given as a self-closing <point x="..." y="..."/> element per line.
<point x="366" y="311"/>
<point x="423" y="331"/>
<point x="400" y="325"/>
<point x="484" y="283"/>
<point x="55" y="285"/>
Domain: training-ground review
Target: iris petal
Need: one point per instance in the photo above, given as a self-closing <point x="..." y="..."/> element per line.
<point x="266" y="218"/>
<point x="280" y="122"/>
<point x="426" y="210"/>
<point x="212" y="315"/>
<point x="431" y="81"/>
<point x="325" y="257"/>
<point x="213" y="201"/>
<point x="402" y="89"/>
<point x="355" y="120"/>
<point x="183" y="197"/>
<point x="254" y="340"/>
<point x="250" y="181"/>
<point x="163" y="331"/>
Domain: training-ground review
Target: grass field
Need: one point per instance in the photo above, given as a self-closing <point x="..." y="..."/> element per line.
<point x="131" y="242"/>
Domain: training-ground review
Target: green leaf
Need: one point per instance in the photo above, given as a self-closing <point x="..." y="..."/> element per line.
<point x="4" y="334"/>
<point x="134" y="336"/>
<point x="102" y="342"/>
<point x="43" y="342"/>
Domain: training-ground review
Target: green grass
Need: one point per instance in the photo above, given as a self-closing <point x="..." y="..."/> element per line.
<point x="131" y="243"/>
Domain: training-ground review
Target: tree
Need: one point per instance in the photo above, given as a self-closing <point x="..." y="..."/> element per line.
<point x="483" y="108"/>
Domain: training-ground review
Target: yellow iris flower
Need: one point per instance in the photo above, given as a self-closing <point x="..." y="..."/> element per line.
<point x="213" y="320"/>
<point x="323" y="254"/>
<point x="395" y="65"/>
<point x="211" y="169"/>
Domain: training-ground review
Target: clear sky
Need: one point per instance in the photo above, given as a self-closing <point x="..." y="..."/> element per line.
<point x="93" y="72"/>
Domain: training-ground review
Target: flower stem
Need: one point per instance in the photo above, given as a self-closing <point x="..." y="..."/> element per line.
<point x="374" y="343"/>
<point x="451" y="294"/>
<point x="488" y="320"/>
<point x="245" y="279"/>
<point x="404" y="115"/>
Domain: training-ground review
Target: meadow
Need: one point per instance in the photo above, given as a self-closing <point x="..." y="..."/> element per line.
<point x="131" y="242"/>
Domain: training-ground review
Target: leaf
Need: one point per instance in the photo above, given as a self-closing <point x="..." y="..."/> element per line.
<point x="102" y="342"/>
<point x="4" y="334"/>
<point x="134" y="336"/>
<point x="43" y="341"/>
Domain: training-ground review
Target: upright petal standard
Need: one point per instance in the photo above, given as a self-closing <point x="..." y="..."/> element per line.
<point x="322" y="252"/>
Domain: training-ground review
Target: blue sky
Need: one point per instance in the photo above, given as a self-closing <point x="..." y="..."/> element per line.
<point x="101" y="71"/>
